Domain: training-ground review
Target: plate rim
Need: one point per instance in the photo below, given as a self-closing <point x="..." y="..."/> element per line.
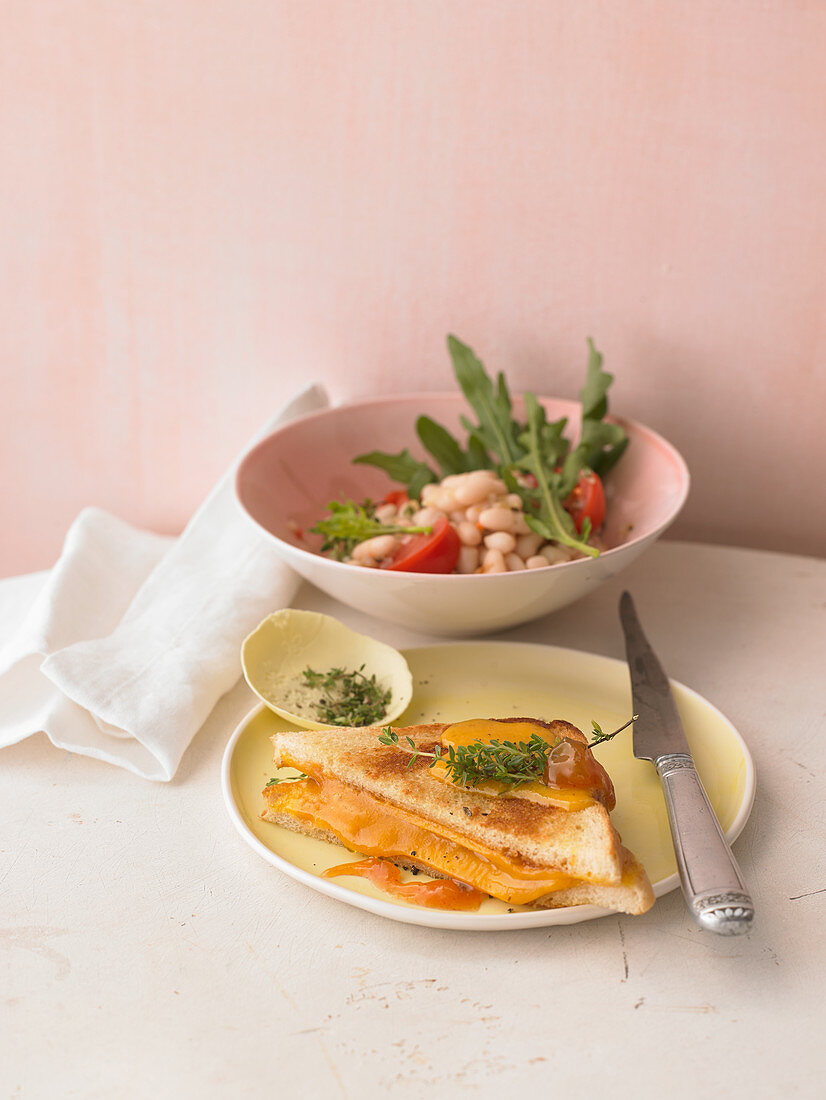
<point x="457" y="920"/>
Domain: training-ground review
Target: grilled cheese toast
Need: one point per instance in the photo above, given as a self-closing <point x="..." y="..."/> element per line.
<point x="517" y="846"/>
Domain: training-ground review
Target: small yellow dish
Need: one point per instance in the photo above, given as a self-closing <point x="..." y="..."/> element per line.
<point x="287" y="642"/>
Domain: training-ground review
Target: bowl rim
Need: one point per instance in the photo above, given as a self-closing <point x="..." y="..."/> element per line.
<point x="653" y="436"/>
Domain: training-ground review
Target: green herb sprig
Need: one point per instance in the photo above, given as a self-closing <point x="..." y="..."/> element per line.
<point x="510" y="762"/>
<point x="498" y="441"/>
<point x="349" y="523"/>
<point x="513" y="763"/>
<point x="544" y="445"/>
<point x="352" y="698"/>
<point x="402" y="467"/>
<point x="285" y="779"/>
<point x="597" y="736"/>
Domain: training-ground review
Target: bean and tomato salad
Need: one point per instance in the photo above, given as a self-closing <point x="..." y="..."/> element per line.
<point x="516" y="496"/>
<point x="476" y="526"/>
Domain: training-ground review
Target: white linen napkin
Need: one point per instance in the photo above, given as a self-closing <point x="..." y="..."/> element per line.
<point x="133" y="637"/>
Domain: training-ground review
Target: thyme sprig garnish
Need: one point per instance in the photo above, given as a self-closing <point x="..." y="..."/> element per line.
<point x="513" y="763"/>
<point x="352" y="698"/>
<point x="597" y="736"/>
<point x="510" y="762"/>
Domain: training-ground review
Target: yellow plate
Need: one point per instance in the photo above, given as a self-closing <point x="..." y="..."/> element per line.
<point x="497" y="680"/>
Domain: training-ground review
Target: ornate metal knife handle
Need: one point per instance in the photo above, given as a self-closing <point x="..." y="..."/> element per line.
<point x="712" y="884"/>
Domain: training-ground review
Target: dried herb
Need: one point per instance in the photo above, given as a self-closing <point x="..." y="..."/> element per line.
<point x="351" y="699"/>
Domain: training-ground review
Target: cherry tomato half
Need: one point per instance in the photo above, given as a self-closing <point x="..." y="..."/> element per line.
<point x="437" y="552"/>
<point x="397" y="497"/>
<point x="587" y="501"/>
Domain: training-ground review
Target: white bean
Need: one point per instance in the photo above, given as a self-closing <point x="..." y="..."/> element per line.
<point x="426" y="517"/>
<point x="375" y="548"/>
<point x="500" y="540"/>
<point x="493" y="561"/>
<point x="468" y="561"/>
<point x="536" y="561"/>
<point x="453" y="481"/>
<point x="474" y="489"/>
<point x="513" y="500"/>
<point x="520" y="525"/>
<point x="444" y="500"/>
<point x="473" y="513"/>
<point x="497" y="487"/>
<point x="514" y="562"/>
<point x="386" y="513"/>
<point x="527" y="545"/>
<point x="428" y="493"/>
<point x="497" y="519"/>
<point x="554" y="554"/>
<point x="469" y="533"/>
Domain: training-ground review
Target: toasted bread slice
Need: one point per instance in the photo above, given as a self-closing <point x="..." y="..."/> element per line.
<point x="578" y="852"/>
<point x="633" y="895"/>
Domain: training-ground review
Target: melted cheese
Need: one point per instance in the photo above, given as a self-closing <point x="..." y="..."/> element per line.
<point x="485" y="730"/>
<point x="562" y="798"/>
<point x="489" y="729"/>
<point x="367" y="825"/>
<point x="439" y="893"/>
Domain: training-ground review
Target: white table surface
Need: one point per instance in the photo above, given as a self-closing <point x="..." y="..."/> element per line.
<point x="145" y="950"/>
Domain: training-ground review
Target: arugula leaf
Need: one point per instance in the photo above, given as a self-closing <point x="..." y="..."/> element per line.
<point x="478" y="456"/>
<point x="402" y="467"/>
<point x="543" y="443"/>
<point x="444" y="448"/>
<point x="601" y="445"/>
<point x="496" y="431"/>
<point x="348" y="524"/>
<point x="499" y="442"/>
<point x="593" y="394"/>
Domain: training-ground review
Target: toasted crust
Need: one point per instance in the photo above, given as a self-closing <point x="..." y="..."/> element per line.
<point x="580" y="843"/>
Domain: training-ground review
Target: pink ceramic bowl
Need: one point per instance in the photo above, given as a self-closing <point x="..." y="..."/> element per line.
<point x="288" y="479"/>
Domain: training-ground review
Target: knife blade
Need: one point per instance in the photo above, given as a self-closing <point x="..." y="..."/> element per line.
<point x="712" y="884"/>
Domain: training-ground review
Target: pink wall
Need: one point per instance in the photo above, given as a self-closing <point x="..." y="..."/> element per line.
<point x="204" y="202"/>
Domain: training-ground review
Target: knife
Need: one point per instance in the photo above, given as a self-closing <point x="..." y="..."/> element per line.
<point x="712" y="885"/>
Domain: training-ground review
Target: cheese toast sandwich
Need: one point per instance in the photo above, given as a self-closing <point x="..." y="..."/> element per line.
<point x="529" y="843"/>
